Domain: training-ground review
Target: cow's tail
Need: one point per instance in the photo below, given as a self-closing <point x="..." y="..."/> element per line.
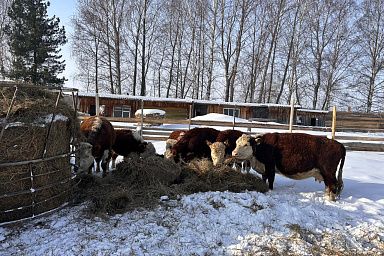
<point x="340" y="173"/>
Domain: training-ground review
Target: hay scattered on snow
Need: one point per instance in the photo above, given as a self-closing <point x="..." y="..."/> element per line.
<point x="140" y="182"/>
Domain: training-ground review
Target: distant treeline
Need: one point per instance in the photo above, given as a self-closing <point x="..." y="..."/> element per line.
<point x="322" y="53"/>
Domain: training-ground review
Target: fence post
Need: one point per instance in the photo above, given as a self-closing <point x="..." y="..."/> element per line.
<point x="234" y="118"/>
<point x="333" y="122"/>
<point x="142" y="118"/>
<point x="291" y="114"/>
<point x="97" y="103"/>
<point x="190" y="116"/>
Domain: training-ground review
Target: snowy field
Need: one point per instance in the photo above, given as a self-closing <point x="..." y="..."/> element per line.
<point x="293" y="219"/>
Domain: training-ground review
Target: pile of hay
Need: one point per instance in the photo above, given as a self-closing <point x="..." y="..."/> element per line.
<point x="202" y="176"/>
<point x="140" y="182"/>
<point x="34" y="129"/>
<point x="136" y="182"/>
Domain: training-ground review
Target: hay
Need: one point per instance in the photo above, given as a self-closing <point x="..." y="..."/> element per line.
<point x="203" y="177"/>
<point x="140" y="182"/>
<point x="136" y="182"/>
<point x="29" y="134"/>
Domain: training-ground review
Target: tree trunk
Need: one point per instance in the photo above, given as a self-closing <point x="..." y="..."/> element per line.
<point x="143" y="66"/>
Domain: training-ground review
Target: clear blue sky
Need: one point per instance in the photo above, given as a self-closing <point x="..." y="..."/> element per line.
<point x="65" y="9"/>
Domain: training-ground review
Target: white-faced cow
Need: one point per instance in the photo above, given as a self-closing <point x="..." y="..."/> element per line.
<point x="222" y="148"/>
<point x="100" y="133"/>
<point x="193" y="144"/>
<point x="128" y="141"/>
<point x="173" y="138"/>
<point x="295" y="155"/>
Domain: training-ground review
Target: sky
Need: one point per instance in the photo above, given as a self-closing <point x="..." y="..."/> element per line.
<point x="293" y="219"/>
<point x="65" y="10"/>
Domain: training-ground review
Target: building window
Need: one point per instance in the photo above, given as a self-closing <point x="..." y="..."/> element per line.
<point x="229" y="111"/>
<point x="121" y="111"/>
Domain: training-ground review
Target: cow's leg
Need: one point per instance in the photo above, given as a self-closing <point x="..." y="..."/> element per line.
<point x="331" y="190"/>
<point x="270" y="175"/>
<point x="105" y="161"/>
<point x="98" y="160"/>
<point x="114" y="156"/>
<point x="247" y="166"/>
<point x="90" y="169"/>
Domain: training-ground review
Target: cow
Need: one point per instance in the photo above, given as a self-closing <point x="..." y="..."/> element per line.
<point x="193" y="144"/>
<point x="296" y="156"/>
<point x="99" y="132"/>
<point x="173" y="138"/>
<point x="83" y="156"/>
<point x="128" y="141"/>
<point x="222" y="148"/>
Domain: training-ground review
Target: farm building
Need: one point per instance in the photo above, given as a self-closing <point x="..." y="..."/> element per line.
<point x="309" y="117"/>
<point x="114" y="105"/>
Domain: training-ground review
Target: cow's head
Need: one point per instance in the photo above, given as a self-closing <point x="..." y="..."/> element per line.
<point x="168" y="148"/>
<point x="217" y="152"/>
<point x="84" y="157"/>
<point x="244" y="149"/>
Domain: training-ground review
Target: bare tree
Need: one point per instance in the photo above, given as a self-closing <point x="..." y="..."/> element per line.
<point x="4" y="50"/>
<point x="276" y="17"/>
<point x="203" y="49"/>
<point x="86" y="39"/>
<point x="370" y="28"/>
<point x="290" y="48"/>
<point x="233" y="16"/>
<point x="212" y="39"/>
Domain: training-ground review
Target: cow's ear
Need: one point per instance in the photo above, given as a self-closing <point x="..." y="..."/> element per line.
<point x="208" y="143"/>
<point x="226" y="143"/>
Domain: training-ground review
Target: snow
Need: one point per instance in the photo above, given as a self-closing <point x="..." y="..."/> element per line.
<point x="221" y="117"/>
<point x="293" y="219"/>
<point x="41" y="121"/>
<point x="150" y="111"/>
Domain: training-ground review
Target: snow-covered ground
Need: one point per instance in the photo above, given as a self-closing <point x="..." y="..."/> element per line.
<point x="293" y="219"/>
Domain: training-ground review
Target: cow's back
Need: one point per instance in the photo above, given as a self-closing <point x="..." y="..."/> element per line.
<point x="128" y="141"/>
<point x="194" y="141"/>
<point x="298" y="152"/>
<point x="99" y="132"/>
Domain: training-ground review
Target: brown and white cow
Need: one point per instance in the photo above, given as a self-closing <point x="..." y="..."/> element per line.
<point x="193" y="144"/>
<point x="100" y="133"/>
<point x="296" y="156"/>
<point x="223" y="146"/>
<point x="173" y="138"/>
<point x="128" y="141"/>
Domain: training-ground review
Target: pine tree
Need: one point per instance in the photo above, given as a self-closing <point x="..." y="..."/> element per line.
<point x="35" y="41"/>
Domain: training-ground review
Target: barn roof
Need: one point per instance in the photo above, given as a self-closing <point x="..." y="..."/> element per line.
<point x="313" y="111"/>
<point x="209" y="102"/>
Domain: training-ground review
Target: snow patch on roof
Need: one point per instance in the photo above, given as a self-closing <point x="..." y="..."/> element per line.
<point x="219" y="117"/>
<point x="150" y="111"/>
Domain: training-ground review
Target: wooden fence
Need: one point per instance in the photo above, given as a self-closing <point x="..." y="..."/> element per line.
<point x="154" y="133"/>
<point x="350" y="121"/>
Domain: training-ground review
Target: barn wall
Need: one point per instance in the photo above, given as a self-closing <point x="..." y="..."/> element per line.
<point x="175" y="110"/>
<point x="311" y="118"/>
<point x="244" y="111"/>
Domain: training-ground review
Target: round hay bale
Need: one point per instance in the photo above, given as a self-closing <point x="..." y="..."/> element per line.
<point x="35" y="171"/>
